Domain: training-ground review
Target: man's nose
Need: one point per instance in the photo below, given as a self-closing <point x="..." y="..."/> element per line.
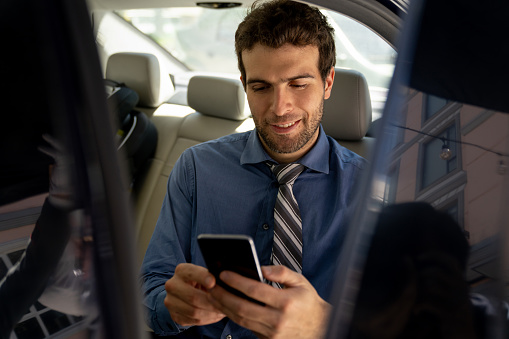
<point x="281" y="102"/>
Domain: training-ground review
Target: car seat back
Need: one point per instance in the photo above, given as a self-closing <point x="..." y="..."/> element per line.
<point x="143" y="73"/>
<point x="216" y="108"/>
<point x="347" y="113"/>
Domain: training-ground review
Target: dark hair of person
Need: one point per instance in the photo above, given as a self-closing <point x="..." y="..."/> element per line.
<point x="276" y="23"/>
<point x="404" y="232"/>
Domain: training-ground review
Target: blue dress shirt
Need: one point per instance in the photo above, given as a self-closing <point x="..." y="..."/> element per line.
<point x="225" y="186"/>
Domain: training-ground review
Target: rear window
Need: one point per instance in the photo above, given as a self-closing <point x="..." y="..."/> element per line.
<point x="203" y="40"/>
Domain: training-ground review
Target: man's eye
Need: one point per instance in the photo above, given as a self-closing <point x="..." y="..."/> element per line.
<point x="299" y="85"/>
<point x="260" y="88"/>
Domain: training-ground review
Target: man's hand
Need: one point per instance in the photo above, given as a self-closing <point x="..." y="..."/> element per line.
<point x="296" y="311"/>
<point x="187" y="297"/>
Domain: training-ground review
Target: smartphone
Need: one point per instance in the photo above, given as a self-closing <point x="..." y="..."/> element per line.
<point x="231" y="252"/>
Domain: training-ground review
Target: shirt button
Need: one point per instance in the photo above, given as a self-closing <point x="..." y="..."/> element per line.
<point x="229" y="336"/>
<point x="265" y="227"/>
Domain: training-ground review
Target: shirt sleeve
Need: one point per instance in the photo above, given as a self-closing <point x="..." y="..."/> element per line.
<point x="169" y="245"/>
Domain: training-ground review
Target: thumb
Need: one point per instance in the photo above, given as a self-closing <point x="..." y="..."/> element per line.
<point x="284" y="276"/>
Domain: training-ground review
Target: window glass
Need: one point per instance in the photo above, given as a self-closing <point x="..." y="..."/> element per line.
<point x="54" y="142"/>
<point x="469" y="185"/>
<point x="433" y="104"/>
<point x="38" y="306"/>
<point x="453" y="211"/>
<point x="434" y="167"/>
<point x="55" y="321"/>
<point x="15" y="256"/>
<point x="39" y="321"/>
<point x="391" y="186"/>
<point x="396" y="235"/>
<point x="359" y="48"/>
<point x="29" y="329"/>
<point x="203" y="39"/>
<point x="3" y="269"/>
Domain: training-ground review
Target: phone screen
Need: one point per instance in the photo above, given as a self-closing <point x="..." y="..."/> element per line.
<point x="234" y="253"/>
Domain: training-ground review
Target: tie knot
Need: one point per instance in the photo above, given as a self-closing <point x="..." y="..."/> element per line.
<point x="286" y="174"/>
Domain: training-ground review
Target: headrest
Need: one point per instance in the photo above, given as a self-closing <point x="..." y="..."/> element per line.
<point x="142" y="73"/>
<point x="347" y="113"/>
<point x="218" y="97"/>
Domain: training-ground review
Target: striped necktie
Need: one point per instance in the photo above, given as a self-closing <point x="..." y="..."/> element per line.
<point x="287" y="248"/>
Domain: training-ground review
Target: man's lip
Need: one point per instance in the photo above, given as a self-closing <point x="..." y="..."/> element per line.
<point x="280" y="128"/>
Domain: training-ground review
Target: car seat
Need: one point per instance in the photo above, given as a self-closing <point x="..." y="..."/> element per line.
<point x="143" y="73"/>
<point x="347" y="113"/>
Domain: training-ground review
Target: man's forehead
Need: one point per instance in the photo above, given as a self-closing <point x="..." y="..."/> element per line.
<point x="258" y="50"/>
<point x="286" y="62"/>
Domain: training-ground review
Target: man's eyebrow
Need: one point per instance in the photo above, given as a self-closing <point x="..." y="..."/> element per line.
<point x="258" y="81"/>
<point x="297" y="77"/>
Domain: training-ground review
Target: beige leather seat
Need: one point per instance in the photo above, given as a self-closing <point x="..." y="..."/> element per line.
<point x="347" y="113"/>
<point x="141" y="72"/>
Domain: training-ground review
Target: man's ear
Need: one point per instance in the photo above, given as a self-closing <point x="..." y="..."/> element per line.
<point x="243" y="83"/>
<point x="329" y="81"/>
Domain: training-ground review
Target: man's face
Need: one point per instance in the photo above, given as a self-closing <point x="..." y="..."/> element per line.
<point x="285" y="93"/>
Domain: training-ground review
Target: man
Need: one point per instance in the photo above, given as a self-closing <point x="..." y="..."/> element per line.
<point x="286" y="58"/>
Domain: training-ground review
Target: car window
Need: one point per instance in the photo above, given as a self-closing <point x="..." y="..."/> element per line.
<point x="58" y="262"/>
<point x="455" y="161"/>
<point x="203" y="40"/>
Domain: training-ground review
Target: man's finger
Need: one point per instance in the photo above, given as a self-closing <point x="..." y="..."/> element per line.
<point x="185" y="314"/>
<point x="185" y="292"/>
<point x="187" y="300"/>
<point x="243" y="312"/>
<point x="252" y="288"/>
<point x="284" y="276"/>
<point x="195" y="274"/>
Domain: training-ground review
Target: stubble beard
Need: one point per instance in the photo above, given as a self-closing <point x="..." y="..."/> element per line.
<point x="283" y="144"/>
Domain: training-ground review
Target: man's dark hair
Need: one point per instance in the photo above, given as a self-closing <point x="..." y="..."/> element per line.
<point x="276" y="23"/>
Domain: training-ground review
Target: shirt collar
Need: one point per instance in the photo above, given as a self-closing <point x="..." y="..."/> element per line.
<point x="316" y="159"/>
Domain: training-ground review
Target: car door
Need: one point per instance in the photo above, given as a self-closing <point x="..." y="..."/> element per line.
<point x="55" y="125"/>
<point x="443" y="141"/>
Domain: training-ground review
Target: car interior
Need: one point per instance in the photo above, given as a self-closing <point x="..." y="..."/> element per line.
<point x="127" y="86"/>
<point x="217" y="107"/>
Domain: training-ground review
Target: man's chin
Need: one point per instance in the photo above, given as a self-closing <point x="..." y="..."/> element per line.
<point x="282" y="143"/>
<point x="286" y="147"/>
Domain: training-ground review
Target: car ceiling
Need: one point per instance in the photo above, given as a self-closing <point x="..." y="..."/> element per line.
<point x="461" y="52"/>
